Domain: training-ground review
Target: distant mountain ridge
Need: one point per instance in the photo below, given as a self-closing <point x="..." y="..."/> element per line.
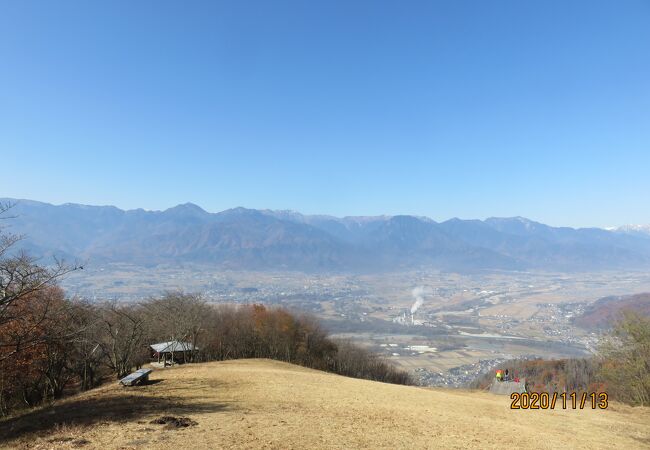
<point x="634" y="229"/>
<point x="243" y="238"/>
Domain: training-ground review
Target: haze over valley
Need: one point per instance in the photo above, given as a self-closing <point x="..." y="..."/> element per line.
<point x="447" y="301"/>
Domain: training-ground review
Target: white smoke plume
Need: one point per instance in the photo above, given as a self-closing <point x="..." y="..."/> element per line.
<point x="419" y="293"/>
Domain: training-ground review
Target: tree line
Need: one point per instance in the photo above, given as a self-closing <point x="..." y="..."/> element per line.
<point x="51" y="344"/>
<point x="76" y="345"/>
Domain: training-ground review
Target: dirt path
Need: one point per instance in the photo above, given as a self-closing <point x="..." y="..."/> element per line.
<point x="266" y="404"/>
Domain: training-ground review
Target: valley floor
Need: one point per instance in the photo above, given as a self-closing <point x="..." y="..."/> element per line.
<point x="268" y="404"/>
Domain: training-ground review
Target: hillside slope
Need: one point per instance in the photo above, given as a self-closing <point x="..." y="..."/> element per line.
<point x="267" y="404"/>
<point x="603" y="313"/>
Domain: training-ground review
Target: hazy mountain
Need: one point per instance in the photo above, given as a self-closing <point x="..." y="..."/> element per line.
<point x="543" y="246"/>
<point x="262" y="239"/>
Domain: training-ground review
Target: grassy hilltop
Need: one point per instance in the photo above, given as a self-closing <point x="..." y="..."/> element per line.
<point x="269" y="404"/>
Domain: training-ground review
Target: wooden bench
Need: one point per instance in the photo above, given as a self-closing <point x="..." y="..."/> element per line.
<point x="137" y="377"/>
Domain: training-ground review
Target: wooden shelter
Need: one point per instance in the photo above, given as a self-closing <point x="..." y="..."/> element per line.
<point x="172" y="351"/>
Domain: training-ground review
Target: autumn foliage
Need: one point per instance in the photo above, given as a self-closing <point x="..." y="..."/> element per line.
<point x="31" y="348"/>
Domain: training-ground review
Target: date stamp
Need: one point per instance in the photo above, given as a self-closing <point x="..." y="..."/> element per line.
<point x="564" y="400"/>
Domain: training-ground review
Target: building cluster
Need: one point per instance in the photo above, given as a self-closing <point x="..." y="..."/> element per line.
<point x="459" y="376"/>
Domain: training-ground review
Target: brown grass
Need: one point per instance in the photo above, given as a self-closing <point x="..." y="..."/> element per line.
<point x="267" y="404"/>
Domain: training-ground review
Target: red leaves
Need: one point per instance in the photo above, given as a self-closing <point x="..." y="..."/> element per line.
<point x="22" y="339"/>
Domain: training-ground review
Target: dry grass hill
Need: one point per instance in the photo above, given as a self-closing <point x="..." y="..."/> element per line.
<point x="268" y="404"/>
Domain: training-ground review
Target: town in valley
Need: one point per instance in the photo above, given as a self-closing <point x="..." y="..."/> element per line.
<point x="445" y="328"/>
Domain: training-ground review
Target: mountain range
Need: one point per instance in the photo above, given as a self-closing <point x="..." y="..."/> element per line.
<point x="263" y="239"/>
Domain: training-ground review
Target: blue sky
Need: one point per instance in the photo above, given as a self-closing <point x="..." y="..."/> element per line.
<point x="438" y="108"/>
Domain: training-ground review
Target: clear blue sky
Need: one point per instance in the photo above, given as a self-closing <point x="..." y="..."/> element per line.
<point x="437" y="108"/>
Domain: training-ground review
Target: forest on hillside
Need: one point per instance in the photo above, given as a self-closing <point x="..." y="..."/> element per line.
<point x="51" y="345"/>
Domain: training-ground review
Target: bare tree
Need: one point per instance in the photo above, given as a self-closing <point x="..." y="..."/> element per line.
<point x="88" y="356"/>
<point x="178" y="316"/>
<point x="20" y="278"/>
<point x="122" y="336"/>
